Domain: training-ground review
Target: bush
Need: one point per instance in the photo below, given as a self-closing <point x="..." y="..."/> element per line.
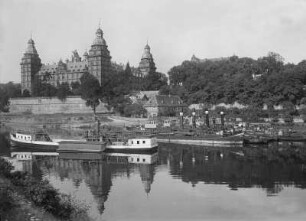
<point x="6" y="200"/>
<point x="19" y="178"/>
<point x="40" y="192"/>
<point x="5" y="167"/>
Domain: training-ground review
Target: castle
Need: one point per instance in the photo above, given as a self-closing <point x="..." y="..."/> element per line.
<point x="97" y="62"/>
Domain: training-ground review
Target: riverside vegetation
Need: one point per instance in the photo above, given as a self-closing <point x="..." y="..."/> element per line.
<point x="40" y="192"/>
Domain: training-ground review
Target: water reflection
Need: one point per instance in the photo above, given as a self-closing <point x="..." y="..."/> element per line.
<point x="267" y="168"/>
<point x="102" y="180"/>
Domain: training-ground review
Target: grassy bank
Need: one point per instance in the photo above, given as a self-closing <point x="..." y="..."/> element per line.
<point x="39" y="192"/>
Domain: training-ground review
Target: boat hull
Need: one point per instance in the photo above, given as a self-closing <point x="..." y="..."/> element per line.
<point x="33" y="144"/>
<point x="80" y="146"/>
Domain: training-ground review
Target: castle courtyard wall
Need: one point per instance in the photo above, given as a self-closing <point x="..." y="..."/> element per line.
<point x="43" y="105"/>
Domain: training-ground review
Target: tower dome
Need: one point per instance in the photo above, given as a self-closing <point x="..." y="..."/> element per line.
<point x="146" y="64"/>
<point x="99" y="32"/>
<point x="146" y="53"/>
<point x="99" y="40"/>
<point x="31" y="47"/>
<point x="147" y="47"/>
<point x="30" y="41"/>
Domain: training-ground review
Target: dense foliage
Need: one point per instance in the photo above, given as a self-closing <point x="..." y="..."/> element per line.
<point x="266" y="80"/>
<point x="115" y="87"/>
<point x="90" y="90"/>
<point x="41" y="193"/>
<point x="8" y="91"/>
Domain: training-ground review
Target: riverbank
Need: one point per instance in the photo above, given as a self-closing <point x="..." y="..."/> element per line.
<point x="34" y="198"/>
<point x="14" y="206"/>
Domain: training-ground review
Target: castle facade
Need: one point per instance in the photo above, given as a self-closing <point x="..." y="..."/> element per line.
<point x="97" y="62"/>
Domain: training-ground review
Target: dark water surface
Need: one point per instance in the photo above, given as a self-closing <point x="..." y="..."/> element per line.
<point x="180" y="182"/>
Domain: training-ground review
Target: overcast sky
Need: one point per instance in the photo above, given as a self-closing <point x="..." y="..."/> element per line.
<point x="175" y="29"/>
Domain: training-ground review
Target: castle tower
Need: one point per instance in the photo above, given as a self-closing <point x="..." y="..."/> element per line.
<point x="99" y="59"/>
<point x="146" y="64"/>
<point x="30" y="65"/>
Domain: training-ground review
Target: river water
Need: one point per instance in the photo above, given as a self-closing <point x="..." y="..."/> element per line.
<point x="179" y="182"/>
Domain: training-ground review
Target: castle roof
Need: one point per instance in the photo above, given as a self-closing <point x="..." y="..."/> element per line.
<point x="70" y="67"/>
<point x="99" y="40"/>
<point x="146" y="53"/>
<point x="164" y="100"/>
<point x="31" y="47"/>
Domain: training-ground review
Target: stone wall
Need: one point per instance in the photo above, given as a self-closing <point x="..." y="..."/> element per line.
<point x="42" y="105"/>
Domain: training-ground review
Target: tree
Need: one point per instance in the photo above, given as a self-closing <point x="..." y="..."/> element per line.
<point x="4" y="100"/>
<point x="63" y="91"/>
<point x="76" y="88"/>
<point x="134" y="110"/>
<point x="90" y="91"/>
<point x="154" y="81"/>
<point x="26" y="93"/>
<point x="41" y="88"/>
<point x="13" y="90"/>
<point x="8" y="91"/>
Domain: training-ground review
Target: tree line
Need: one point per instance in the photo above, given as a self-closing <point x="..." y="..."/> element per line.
<point x="267" y="80"/>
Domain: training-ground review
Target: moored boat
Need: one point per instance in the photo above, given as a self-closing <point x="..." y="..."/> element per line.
<point x="32" y="139"/>
<point x="137" y="143"/>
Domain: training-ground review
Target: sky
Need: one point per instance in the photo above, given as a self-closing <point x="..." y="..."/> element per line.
<point x="174" y="29"/>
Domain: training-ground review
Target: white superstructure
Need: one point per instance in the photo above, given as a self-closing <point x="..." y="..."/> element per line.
<point x="135" y="143"/>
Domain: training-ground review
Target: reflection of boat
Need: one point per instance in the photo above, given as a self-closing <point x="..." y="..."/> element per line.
<point x="112" y="157"/>
<point x="256" y="139"/>
<point x="297" y="138"/>
<point x="135" y="158"/>
<point x="237" y="153"/>
<point x="29" y="155"/>
<point x="39" y="139"/>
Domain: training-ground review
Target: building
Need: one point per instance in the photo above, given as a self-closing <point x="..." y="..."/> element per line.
<point x="99" y="59"/>
<point x="146" y="64"/>
<point x="164" y="105"/>
<point x="97" y="62"/>
<point x="68" y="71"/>
<point x="30" y="66"/>
<point x="142" y="96"/>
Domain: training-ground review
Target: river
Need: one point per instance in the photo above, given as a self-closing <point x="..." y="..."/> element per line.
<point x="179" y="182"/>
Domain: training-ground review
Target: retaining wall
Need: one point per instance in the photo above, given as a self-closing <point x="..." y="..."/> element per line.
<point x="42" y="105"/>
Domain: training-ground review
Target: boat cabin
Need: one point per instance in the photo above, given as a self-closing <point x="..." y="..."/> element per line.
<point x="22" y="155"/>
<point x="142" y="142"/>
<point x="35" y="136"/>
<point x="23" y="136"/>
